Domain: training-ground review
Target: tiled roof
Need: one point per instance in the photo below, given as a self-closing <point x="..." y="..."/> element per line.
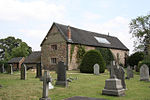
<point x="14" y="60"/>
<point x="79" y="36"/>
<point x="34" y="57"/>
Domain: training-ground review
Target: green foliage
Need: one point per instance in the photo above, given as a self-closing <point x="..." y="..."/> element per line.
<point x="80" y="53"/>
<point x="107" y="54"/>
<point x="71" y="51"/>
<point x="8" y="44"/>
<point x="90" y="58"/>
<point x="135" y="58"/>
<point x="22" y="51"/>
<point x="140" y="28"/>
<point x="145" y="61"/>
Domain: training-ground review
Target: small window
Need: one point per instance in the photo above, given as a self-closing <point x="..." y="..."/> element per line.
<point x="53" y="60"/>
<point x="54" y="47"/>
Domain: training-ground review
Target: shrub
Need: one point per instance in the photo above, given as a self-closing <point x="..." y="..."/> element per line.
<point x="135" y="58"/>
<point x="145" y="61"/>
<point x="107" y="54"/>
<point x="90" y="58"/>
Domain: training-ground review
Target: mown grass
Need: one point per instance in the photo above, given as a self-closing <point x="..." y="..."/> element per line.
<point x="86" y="85"/>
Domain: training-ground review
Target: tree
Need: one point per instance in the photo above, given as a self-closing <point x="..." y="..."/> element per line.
<point x="140" y="28"/>
<point x="22" y="51"/>
<point x="7" y="45"/>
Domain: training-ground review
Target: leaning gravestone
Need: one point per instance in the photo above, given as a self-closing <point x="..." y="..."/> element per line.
<point x="46" y="79"/>
<point x="96" y="69"/>
<point x="120" y="74"/>
<point x="2" y="69"/>
<point x="23" y="72"/>
<point x="113" y="86"/>
<point x="144" y="73"/>
<point x="61" y="74"/>
<point x="129" y="72"/>
<point x="38" y="71"/>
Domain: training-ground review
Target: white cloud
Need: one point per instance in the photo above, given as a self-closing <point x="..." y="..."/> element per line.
<point x="13" y="10"/>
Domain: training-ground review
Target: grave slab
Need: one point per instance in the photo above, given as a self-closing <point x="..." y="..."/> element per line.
<point x="83" y="98"/>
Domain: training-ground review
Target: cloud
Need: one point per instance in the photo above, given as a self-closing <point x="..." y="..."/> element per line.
<point x="14" y="10"/>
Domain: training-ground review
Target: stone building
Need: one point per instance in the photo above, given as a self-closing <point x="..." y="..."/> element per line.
<point x="58" y="42"/>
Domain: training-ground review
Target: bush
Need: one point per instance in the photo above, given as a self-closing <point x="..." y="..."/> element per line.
<point x="135" y="58"/>
<point x="145" y="61"/>
<point x="90" y="59"/>
<point x="107" y="54"/>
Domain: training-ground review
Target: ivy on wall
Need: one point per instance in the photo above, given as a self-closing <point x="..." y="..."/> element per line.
<point x="71" y="51"/>
<point x="80" y="53"/>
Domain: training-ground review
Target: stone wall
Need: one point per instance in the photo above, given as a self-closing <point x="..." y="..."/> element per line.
<point x="53" y="38"/>
<point x="121" y="54"/>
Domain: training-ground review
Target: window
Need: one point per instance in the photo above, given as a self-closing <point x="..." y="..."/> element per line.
<point x="54" y="47"/>
<point x="53" y="60"/>
<point x="102" y="40"/>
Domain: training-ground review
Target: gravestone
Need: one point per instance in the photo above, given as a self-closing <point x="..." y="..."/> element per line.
<point x="144" y="73"/>
<point x="113" y="86"/>
<point x="129" y="72"/>
<point x="83" y="98"/>
<point x="23" y="72"/>
<point x="11" y="69"/>
<point x="46" y="79"/>
<point x="61" y="74"/>
<point x="120" y="74"/>
<point x="51" y="86"/>
<point x="135" y="67"/>
<point x="38" y="70"/>
<point x="2" y="69"/>
<point x="96" y="69"/>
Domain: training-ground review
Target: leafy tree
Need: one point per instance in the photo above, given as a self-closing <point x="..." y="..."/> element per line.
<point x="140" y="28"/>
<point x="7" y="45"/>
<point x="22" y="51"/>
<point x="80" y="53"/>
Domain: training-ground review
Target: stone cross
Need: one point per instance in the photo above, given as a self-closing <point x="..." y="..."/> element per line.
<point x="111" y="69"/>
<point x="38" y="70"/>
<point x="46" y="79"/>
<point x="23" y="72"/>
<point x="144" y="73"/>
<point x="11" y="69"/>
<point x="96" y="69"/>
<point x="61" y="74"/>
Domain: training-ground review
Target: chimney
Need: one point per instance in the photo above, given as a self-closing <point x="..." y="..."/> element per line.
<point x="69" y="33"/>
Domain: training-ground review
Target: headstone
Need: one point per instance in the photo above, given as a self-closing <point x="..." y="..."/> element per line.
<point x="113" y="86"/>
<point x="46" y="79"/>
<point x="144" y="73"/>
<point x="23" y="72"/>
<point x="96" y="69"/>
<point x="120" y="74"/>
<point x="61" y="74"/>
<point x="83" y="98"/>
<point x="129" y="72"/>
<point x="38" y="71"/>
<point x="2" y="69"/>
<point x="11" y="69"/>
<point x="135" y="68"/>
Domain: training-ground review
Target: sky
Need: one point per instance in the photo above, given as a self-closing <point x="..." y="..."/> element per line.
<point x="30" y="20"/>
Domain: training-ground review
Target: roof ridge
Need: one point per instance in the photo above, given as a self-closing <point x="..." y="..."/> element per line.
<point x="86" y="30"/>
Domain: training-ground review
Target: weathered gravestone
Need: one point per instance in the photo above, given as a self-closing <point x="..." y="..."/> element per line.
<point x="2" y="69"/>
<point x="135" y="67"/>
<point x="144" y="73"/>
<point x="46" y="79"/>
<point x="113" y="85"/>
<point x="129" y="72"/>
<point x="96" y="69"/>
<point x="23" y="72"/>
<point x="38" y="70"/>
<point x="83" y="98"/>
<point x="11" y="69"/>
<point x="61" y="74"/>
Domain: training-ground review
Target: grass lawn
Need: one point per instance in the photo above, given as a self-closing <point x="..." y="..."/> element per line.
<point x="86" y="85"/>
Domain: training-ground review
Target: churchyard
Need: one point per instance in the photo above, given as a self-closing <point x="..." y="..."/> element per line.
<point x="88" y="85"/>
